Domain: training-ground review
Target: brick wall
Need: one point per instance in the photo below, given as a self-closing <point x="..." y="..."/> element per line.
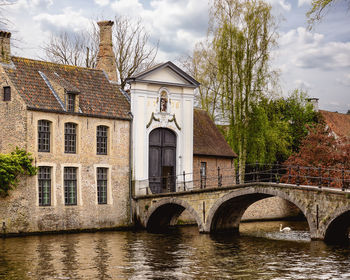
<point x="13" y="118"/>
<point x="227" y="170"/>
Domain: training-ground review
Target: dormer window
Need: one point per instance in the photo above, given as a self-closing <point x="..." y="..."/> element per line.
<point x="70" y="102"/>
<point x="7" y="94"/>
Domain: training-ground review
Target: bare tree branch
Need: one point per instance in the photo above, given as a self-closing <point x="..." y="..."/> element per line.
<point x="76" y="49"/>
<point x="132" y="48"/>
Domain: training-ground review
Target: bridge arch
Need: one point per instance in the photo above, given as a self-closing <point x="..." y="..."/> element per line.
<point x="165" y="213"/>
<point x="338" y="227"/>
<point x="226" y="212"/>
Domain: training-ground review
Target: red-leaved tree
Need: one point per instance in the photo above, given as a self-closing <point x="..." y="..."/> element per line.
<point x="322" y="159"/>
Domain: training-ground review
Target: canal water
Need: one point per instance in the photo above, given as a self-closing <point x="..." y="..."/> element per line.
<point x="261" y="252"/>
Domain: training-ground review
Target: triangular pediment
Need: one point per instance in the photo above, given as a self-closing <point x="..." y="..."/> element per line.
<point x="165" y="73"/>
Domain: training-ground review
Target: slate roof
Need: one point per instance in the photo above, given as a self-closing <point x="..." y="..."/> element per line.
<point x="337" y="122"/>
<point x="97" y="96"/>
<point x="207" y="139"/>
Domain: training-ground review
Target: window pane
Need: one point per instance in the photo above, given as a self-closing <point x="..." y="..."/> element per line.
<point x="70" y="185"/>
<point x="102" y="185"/>
<point x="71" y="102"/>
<point x="203" y="168"/>
<point x="70" y="138"/>
<point x="44" y="177"/>
<point x="7" y="94"/>
<point x="101" y="141"/>
<point x="43" y="136"/>
<point x="203" y="173"/>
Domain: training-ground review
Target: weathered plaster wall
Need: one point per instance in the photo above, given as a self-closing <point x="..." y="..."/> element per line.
<point x="21" y="211"/>
<point x="145" y="103"/>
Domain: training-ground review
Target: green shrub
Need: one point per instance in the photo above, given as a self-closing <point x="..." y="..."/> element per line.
<point x="12" y="165"/>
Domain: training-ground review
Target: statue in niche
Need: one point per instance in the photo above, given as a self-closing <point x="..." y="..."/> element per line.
<point x="163" y="102"/>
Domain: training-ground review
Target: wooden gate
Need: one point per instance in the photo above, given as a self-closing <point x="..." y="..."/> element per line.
<point x="162" y="160"/>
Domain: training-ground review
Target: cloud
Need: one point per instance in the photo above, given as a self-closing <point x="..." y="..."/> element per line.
<point x="178" y="25"/>
<point x="127" y="7"/>
<point x="345" y="80"/>
<point x="70" y="20"/>
<point x="310" y="50"/>
<point x="281" y="3"/>
<point x="302" y="85"/>
<point x="30" y="5"/>
<point x="304" y="2"/>
<point x="102" y="2"/>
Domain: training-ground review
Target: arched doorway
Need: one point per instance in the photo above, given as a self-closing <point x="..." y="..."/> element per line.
<point x="162" y="160"/>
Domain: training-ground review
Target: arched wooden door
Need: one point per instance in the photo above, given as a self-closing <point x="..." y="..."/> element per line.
<point x="162" y="160"/>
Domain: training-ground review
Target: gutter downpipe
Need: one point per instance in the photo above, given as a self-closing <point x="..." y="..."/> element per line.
<point x="130" y="167"/>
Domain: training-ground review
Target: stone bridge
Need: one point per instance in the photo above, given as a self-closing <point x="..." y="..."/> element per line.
<point x="327" y="210"/>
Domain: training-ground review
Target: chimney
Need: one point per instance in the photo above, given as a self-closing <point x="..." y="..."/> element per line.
<point x="314" y="103"/>
<point x="106" y="57"/>
<point x="5" y="55"/>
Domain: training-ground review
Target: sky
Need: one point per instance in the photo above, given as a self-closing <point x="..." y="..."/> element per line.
<point x="317" y="61"/>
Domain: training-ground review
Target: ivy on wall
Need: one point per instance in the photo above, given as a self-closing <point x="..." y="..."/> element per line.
<point x="12" y="165"/>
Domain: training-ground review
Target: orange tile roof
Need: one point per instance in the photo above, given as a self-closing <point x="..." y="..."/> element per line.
<point x="97" y="97"/>
<point x="337" y="122"/>
<point x="207" y="139"/>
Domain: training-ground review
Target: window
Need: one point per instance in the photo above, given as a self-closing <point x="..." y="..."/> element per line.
<point x="43" y="136"/>
<point x="70" y="186"/>
<point x="203" y="173"/>
<point x="70" y="138"/>
<point x="44" y="180"/>
<point x="203" y="169"/>
<point x="7" y="94"/>
<point x="71" y="102"/>
<point x="102" y="140"/>
<point x="102" y="185"/>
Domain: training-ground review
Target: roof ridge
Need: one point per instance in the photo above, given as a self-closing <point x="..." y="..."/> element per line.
<point x="334" y="112"/>
<point x="54" y="63"/>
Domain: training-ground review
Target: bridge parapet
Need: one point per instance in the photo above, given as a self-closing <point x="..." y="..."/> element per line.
<point x="272" y="173"/>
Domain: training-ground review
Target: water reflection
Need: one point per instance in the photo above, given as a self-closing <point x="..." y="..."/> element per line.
<point x="261" y="252"/>
<point x="44" y="267"/>
<point x="102" y="259"/>
<point x="69" y="260"/>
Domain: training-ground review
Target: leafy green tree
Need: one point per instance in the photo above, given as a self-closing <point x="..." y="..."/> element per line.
<point x="244" y="33"/>
<point x="277" y="127"/>
<point x="300" y="114"/>
<point x="269" y="139"/>
<point x="12" y="166"/>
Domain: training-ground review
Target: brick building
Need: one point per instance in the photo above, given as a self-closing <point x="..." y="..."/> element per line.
<point x="86" y="135"/>
<point x="76" y="124"/>
<point x="212" y="156"/>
